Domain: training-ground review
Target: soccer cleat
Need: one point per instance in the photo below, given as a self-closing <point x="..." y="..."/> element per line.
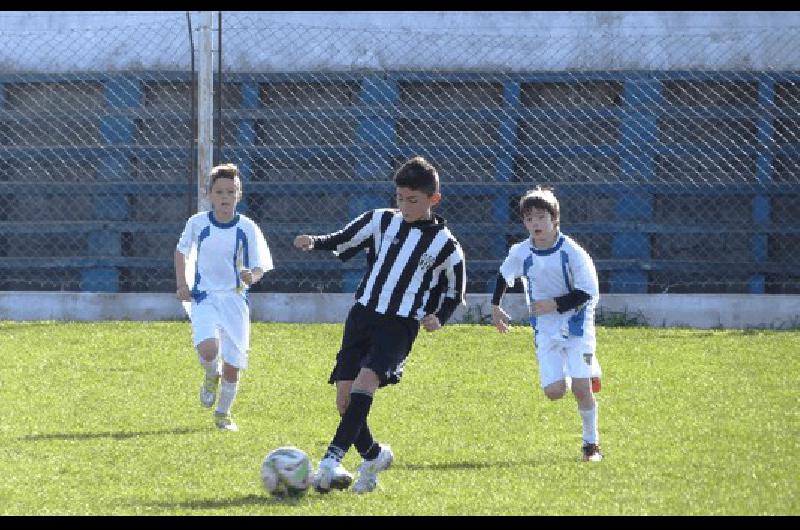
<point x="369" y="469"/>
<point x="224" y="422"/>
<point x="208" y="391"/>
<point x="591" y="453"/>
<point x="331" y="475"/>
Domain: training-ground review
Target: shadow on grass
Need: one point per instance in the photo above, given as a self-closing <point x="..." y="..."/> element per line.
<point x="30" y="324"/>
<point x="441" y="466"/>
<point x="247" y="500"/>
<point x="112" y="435"/>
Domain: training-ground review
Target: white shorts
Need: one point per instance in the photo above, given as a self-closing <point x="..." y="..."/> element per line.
<point x="572" y="357"/>
<point x="224" y="316"/>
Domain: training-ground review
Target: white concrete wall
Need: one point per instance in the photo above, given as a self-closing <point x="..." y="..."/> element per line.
<point x="545" y="40"/>
<point x="736" y="311"/>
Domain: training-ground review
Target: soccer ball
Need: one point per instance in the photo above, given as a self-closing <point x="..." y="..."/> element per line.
<point x="286" y="471"/>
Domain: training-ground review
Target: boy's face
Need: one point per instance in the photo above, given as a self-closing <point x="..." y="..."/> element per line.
<point x="540" y="226"/>
<point x="415" y="205"/>
<point x="225" y="194"/>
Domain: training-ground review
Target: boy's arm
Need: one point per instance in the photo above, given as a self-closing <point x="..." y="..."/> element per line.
<point x="456" y="279"/>
<point x="571" y="300"/>
<point x="259" y="256"/>
<point x="499" y="289"/>
<point x="182" y="292"/>
<point x="182" y="249"/>
<point x="585" y="286"/>
<point x="510" y="270"/>
<point x="344" y="243"/>
<point x="499" y="317"/>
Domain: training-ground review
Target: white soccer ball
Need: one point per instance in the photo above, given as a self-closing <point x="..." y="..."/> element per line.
<point x="286" y="471"/>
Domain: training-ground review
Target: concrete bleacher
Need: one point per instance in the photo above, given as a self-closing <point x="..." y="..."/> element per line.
<point x="96" y="200"/>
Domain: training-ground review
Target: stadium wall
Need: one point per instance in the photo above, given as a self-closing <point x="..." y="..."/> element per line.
<point x="724" y="44"/>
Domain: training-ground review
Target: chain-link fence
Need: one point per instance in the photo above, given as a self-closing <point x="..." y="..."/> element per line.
<point x="94" y="164"/>
<point x="675" y="178"/>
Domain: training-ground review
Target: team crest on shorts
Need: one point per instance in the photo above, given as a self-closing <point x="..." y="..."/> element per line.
<point x="587" y="357"/>
<point x="426" y="261"/>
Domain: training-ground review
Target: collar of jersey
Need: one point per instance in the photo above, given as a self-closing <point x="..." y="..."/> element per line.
<point x="216" y="223"/>
<point x="548" y="251"/>
<point x="435" y="220"/>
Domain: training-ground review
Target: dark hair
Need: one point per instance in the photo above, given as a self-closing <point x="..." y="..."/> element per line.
<point x="543" y="199"/>
<point x="419" y="175"/>
<point x="223" y="171"/>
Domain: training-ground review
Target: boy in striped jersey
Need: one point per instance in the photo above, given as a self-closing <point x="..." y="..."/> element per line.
<point x="415" y="275"/>
<point x="561" y="290"/>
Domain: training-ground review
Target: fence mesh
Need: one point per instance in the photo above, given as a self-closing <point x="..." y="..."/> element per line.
<point x="675" y="160"/>
<point x="94" y="157"/>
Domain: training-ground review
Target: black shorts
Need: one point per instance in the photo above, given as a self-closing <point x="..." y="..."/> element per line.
<point x="375" y="341"/>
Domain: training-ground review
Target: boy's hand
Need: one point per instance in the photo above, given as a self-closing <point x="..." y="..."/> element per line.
<point x="500" y="318"/>
<point x="249" y="277"/>
<point x="304" y="242"/>
<point x="431" y="323"/>
<point x="183" y="294"/>
<point x="246" y="275"/>
<point x="543" y="307"/>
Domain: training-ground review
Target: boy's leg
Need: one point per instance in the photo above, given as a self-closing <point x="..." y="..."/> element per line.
<point x="388" y="358"/>
<point x="587" y="409"/>
<point x="549" y="355"/>
<point x="582" y="366"/>
<point x="209" y="359"/>
<point x="355" y="344"/>
<point x="355" y="416"/>
<point x="364" y="443"/>
<point x="204" y="331"/>
<point x="234" y="361"/>
<point x="331" y="474"/>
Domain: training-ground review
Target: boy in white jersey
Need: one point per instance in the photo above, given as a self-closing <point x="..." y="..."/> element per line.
<point x="232" y="255"/>
<point x="561" y="290"/>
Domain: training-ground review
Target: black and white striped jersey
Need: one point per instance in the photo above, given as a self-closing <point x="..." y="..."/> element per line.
<point x="413" y="269"/>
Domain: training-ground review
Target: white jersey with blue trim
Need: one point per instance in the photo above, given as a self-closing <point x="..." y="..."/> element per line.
<point x="552" y="272"/>
<point x="223" y="250"/>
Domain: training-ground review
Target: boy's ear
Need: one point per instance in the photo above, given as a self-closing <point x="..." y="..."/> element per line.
<point x="436" y="198"/>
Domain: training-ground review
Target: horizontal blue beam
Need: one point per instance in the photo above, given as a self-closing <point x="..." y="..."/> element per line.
<point x="80" y="227"/>
<point x="498" y="76"/>
<point x="144" y="75"/>
<point x="95" y="188"/>
<point x="513" y="229"/>
<point x="689" y="266"/>
<point x="414" y="76"/>
<point x="444" y="112"/>
<point x="438" y="151"/>
<point x="336" y="187"/>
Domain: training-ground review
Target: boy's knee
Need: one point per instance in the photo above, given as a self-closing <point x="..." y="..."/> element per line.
<point x="582" y="390"/>
<point x="343" y="389"/>
<point x="207" y="349"/>
<point x="230" y="373"/>
<point x="556" y="390"/>
<point x="341" y="404"/>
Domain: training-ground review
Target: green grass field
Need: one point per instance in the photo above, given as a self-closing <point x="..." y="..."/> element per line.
<point x="103" y="418"/>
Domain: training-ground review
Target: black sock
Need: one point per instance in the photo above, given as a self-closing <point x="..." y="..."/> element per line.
<point x="365" y="443"/>
<point x="353" y="419"/>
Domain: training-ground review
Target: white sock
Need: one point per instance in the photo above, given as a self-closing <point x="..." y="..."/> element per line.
<point x="227" y="393"/>
<point x="589" y="419"/>
<point x="211" y="367"/>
